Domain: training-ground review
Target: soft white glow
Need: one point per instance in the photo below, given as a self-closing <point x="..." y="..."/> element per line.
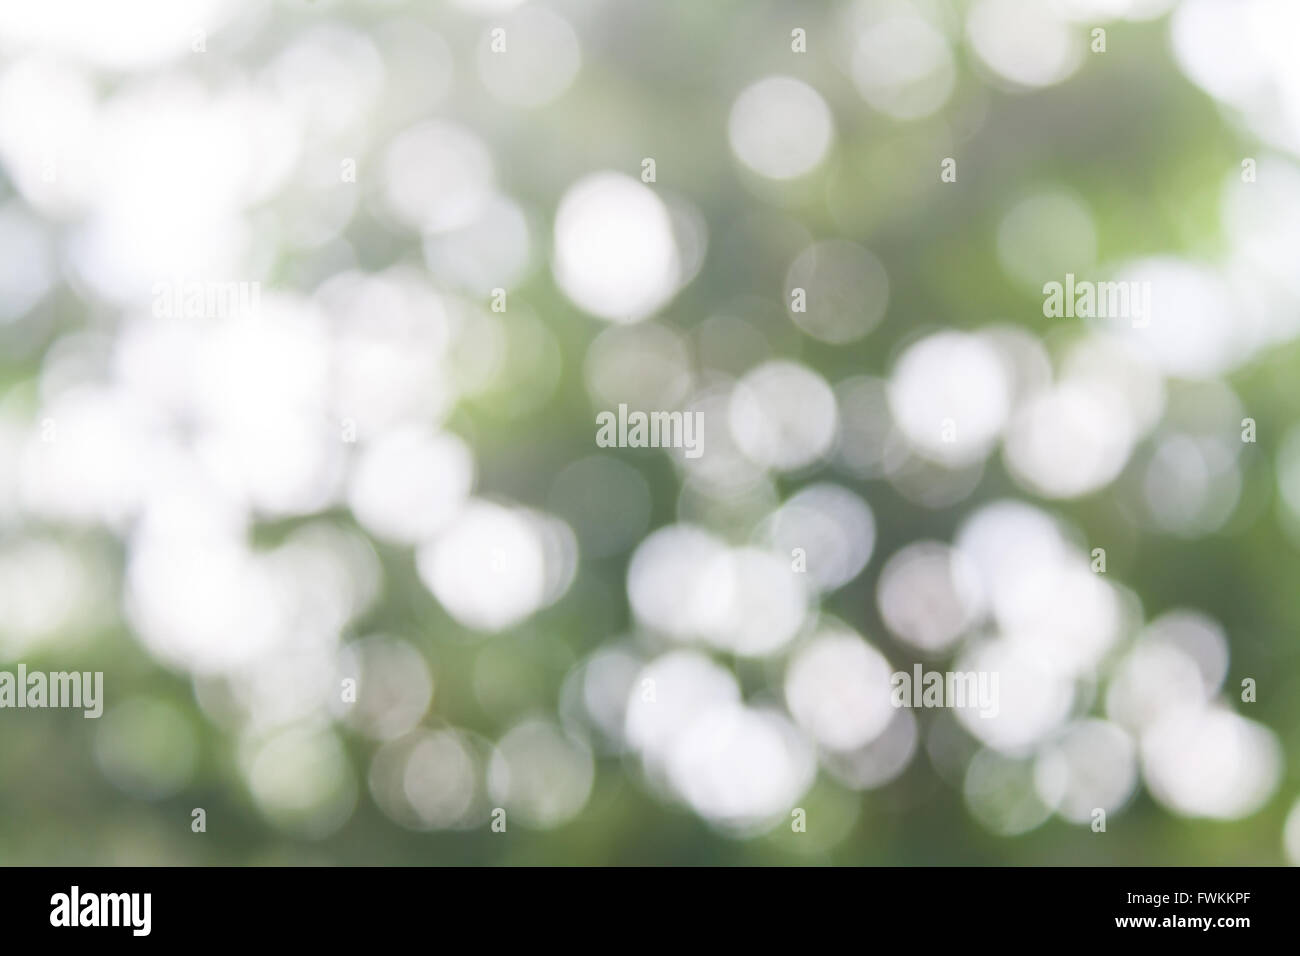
<point x="603" y="684"/>
<point x="669" y="694"/>
<point x="929" y="595"/>
<point x="1192" y="329"/>
<point x="1208" y="762"/>
<point x="1024" y="42"/>
<point x="429" y="780"/>
<point x="870" y="445"/>
<point x="1032" y="699"/>
<point x="1069" y="615"/>
<point x="540" y="775"/>
<point x="832" y="526"/>
<point x="1008" y="542"/>
<point x="668" y="582"/>
<point x="1093" y="765"/>
<point x="539" y="62"/>
<point x="845" y="291"/>
<point x="1101" y="364"/>
<point x="409" y="483"/>
<point x="1089" y="11"/>
<point x="1198" y="636"/>
<point x="645" y="366"/>
<point x="880" y="761"/>
<point x="1069" y="441"/>
<point x="392" y="684"/>
<point x="391" y="333"/>
<point x="491" y="252"/>
<point x="48" y="130"/>
<point x="837" y="688"/>
<point x="487" y="567"/>
<point x="780" y="127"/>
<point x="903" y="67"/>
<point x="950" y="397"/>
<point x="782" y="415"/>
<point x="331" y="76"/>
<point x="765" y="601"/>
<point x="130" y="35"/>
<point x="301" y="780"/>
<point x="615" y="252"/>
<point x="741" y="767"/>
<point x="438" y="176"/>
<point x="1192" y="484"/>
<point x="1153" y="681"/>
<point x="49" y="590"/>
<point x="441" y="779"/>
